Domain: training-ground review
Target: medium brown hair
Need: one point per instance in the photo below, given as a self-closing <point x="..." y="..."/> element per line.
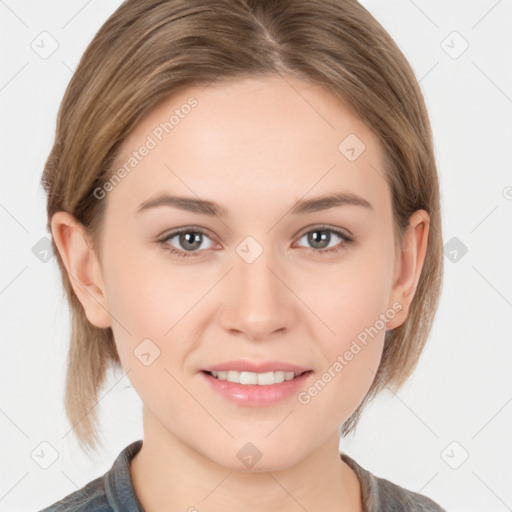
<point x="150" y="49"/>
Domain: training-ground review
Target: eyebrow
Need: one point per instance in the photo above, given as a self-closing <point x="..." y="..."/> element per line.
<point x="205" y="207"/>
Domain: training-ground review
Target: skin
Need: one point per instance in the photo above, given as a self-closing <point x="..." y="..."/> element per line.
<point x="255" y="146"/>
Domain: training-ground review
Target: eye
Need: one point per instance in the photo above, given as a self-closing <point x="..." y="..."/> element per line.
<point x="321" y="236"/>
<point x="189" y="240"/>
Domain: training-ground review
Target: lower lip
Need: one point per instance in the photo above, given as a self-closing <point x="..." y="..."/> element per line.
<point x="254" y="394"/>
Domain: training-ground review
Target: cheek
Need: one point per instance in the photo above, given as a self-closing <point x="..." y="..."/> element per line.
<point x="346" y="380"/>
<point x="143" y="293"/>
<point x="349" y="297"/>
<point x="351" y="353"/>
<point x="155" y="306"/>
<point x="352" y="303"/>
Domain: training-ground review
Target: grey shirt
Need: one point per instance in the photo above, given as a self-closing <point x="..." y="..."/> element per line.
<point x="114" y="491"/>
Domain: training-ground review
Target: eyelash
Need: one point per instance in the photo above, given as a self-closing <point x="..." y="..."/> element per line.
<point x="185" y="254"/>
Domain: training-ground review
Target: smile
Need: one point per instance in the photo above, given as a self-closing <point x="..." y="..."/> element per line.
<point x="256" y="389"/>
<point x="261" y="379"/>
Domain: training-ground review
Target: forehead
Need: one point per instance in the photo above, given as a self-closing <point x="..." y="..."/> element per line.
<point x="261" y="137"/>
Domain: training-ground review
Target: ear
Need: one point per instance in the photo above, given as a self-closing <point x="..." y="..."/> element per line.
<point x="409" y="264"/>
<point x="82" y="266"/>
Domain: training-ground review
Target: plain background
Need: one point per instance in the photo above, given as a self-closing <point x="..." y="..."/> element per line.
<point x="446" y="433"/>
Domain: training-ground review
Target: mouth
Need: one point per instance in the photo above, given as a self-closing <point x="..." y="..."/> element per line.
<point x="251" y="389"/>
<point x="253" y="378"/>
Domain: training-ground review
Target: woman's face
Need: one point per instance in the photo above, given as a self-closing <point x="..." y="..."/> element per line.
<point x="269" y="280"/>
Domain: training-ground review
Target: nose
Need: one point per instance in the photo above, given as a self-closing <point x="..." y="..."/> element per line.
<point x="259" y="303"/>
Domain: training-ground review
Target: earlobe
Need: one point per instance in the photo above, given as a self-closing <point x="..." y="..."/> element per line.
<point x="412" y="258"/>
<point x="82" y="266"/>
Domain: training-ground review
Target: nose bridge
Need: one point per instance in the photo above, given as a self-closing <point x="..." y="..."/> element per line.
<point x="257" y="279"/>
<point x="259" y="301"/>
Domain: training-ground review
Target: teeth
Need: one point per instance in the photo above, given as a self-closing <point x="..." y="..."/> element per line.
<point x="263" y="379"/>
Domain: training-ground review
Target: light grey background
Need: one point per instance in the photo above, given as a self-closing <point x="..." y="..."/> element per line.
<point x="446" y="434"/>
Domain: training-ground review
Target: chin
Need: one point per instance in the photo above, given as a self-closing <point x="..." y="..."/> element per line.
<point x="257" y="457"/>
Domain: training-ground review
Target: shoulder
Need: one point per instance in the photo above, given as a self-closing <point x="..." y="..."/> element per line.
<point x="91" y="497"/>
<point x="381" y="495"/>
<point x="395" y="498"/>
<point x="109" y="492"/>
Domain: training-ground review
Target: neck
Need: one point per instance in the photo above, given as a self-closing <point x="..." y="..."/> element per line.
<point x="168" y="474"/>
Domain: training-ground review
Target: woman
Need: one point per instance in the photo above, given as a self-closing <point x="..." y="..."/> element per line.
<point x="244" y="203"/>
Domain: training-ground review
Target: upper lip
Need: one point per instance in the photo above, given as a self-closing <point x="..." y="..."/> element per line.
<point x="255" y="367"/>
